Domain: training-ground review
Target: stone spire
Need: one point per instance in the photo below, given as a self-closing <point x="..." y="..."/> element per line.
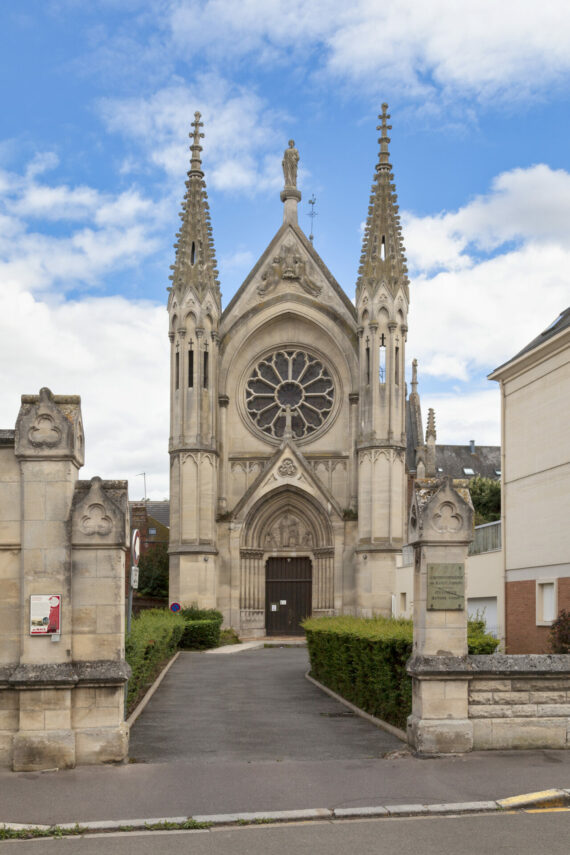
<point x="195" y="262"/>
<point x="383" y="258"/>
<point x="430" y="444"/>
<point x="430" y="431"/>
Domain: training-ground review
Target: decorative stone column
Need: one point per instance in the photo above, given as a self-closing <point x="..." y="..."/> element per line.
<point x="67" y="683"/>
<point x="440" y="529"/>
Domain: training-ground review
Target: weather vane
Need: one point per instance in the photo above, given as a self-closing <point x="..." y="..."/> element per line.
<point x="312" y="215"/>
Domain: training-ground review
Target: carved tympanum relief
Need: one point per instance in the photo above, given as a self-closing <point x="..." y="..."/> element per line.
<point x="288" y="266"/>
<point x="288" y="532"/>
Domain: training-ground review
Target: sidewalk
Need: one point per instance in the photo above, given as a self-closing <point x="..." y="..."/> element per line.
<point x="236" y="771"/>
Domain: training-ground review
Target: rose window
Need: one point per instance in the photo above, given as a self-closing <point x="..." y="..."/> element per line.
<point x="289" y="378"/>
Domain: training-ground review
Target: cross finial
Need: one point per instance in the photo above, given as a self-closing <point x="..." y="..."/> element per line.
<point x="196" y="135"/>
<point x="196" y="125"/>
<point x="384" y="139"/>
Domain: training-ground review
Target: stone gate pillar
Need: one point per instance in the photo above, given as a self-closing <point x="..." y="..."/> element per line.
<point x="64" y="674"/>
<point x="440" y="529"/>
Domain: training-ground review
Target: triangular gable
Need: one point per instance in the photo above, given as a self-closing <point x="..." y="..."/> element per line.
<point x="287" y="467"/>
<point x="280" y="238"/>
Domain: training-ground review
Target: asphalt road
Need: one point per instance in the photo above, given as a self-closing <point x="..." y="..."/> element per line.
<point x="501" y="834"/>
<point x="250" y="706"/>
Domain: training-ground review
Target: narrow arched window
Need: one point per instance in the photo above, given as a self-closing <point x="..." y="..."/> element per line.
<point x="397" y="366"/>
<point x="191" y="367"/>
<point x="177" y="371"/>
<point x="367" y="364"/>
<point x="382" y="359"/>
<point x="205" y="369"/>
<point x="383" y="248"/>
<point x="193" y="253"/>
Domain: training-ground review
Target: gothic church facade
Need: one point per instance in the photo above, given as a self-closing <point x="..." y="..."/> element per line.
<point x="288" y="419"/>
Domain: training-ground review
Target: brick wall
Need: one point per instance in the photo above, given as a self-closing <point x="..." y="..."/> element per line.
<point x="522" y="633"/>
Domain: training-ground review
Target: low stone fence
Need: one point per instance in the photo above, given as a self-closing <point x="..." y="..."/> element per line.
<point x="512" y="701"/>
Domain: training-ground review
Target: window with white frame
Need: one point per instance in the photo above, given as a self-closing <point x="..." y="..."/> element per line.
<point x="545" y="602"/>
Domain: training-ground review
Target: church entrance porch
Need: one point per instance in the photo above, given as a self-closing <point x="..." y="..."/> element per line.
<point x="288" y="594"/>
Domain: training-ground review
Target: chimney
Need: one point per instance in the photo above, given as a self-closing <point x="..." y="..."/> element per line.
<point x="472" y="446"/>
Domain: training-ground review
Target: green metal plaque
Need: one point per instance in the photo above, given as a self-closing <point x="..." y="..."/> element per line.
<point x="445" y="587"/>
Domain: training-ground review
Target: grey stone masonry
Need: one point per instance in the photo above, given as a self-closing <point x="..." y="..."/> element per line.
<point x="513" y="701"/>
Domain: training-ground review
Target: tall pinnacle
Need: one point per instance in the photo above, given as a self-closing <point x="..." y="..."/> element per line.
<point x="195" y="262"/>
<point x="383" y="256"/>
<point x="430" y="430"/>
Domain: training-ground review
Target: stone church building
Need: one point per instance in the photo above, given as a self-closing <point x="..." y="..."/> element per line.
<point x="288" y="418"/>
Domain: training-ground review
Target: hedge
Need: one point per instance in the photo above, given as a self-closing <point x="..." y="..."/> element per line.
<point x="155" y="635"/>
<point x="364" y="660"/>
<point x="200" y="634"/>
<point x="202" y="628"/>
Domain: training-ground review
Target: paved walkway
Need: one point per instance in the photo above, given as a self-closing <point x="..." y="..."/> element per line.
<point x="247" y="732"/>
<point x="254" y="705"/>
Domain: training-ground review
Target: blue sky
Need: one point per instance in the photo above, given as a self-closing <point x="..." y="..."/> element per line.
<point x="97" y="104"/>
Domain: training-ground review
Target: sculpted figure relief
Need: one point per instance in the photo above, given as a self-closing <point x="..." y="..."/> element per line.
<point x="290" y="266"/>
<point x="290" y="161"/>
<point x="287" y="533"/>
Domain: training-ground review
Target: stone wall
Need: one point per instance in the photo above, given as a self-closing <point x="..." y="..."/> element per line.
<point x="61" y="683"/>
<point x="513" y="702"/>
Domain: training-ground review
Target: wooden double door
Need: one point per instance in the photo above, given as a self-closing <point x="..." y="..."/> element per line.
<point x="288" y="594"/>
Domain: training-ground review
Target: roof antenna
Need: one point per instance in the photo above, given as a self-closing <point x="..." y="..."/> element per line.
<point x="312" y="215"/>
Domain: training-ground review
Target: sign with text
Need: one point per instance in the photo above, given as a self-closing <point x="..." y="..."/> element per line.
<point x="45" y="614"/>
<point x="445" y="587"/>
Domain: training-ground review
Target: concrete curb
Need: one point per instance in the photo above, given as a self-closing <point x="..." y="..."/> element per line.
<point x="545" y="799"/>
<point x="395" y="731"/>
<point x="140" y="707"/>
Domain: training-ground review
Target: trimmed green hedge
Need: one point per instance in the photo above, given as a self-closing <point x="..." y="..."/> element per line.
<point x="202" y="628"/>
<point x="364" y="660"/>
<point x="155" y="635"/>
<point x="200" y="634"/>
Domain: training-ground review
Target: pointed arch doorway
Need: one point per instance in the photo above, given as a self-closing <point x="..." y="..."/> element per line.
<point x="288" y="594"/>
<point x="286" y="563"/>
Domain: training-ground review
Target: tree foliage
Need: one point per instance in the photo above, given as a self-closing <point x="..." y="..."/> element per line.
<point x="559" y="639"/>
<point x="153" y="571"/>
<point x="486" y="498"/>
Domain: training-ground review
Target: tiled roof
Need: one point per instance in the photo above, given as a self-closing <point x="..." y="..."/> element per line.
<point x="458" y="461"/>
<point x="159" y="511"/>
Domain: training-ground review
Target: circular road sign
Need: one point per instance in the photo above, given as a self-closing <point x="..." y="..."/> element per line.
<point x="175" y="607"/>
<point x="135" y="547"/>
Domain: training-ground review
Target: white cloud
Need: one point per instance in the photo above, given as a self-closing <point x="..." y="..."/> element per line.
<point x="111" y="351"/>
<point x="476" y="48"/>
<point x="98" y="233"/>
<point x="465" y="416"/>
<point x="240" y="129"/>
<point x="474" y="312"/>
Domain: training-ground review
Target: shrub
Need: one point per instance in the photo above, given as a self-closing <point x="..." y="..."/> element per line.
<point x="154" y="637"/>
<point x="200" y="634"/>
<point x="194" y="613"/>
<point x="364" y="660"/>
<point x="559" y="638"/>
<point x="153" y="571"/>
<point x="486" y="498"/>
